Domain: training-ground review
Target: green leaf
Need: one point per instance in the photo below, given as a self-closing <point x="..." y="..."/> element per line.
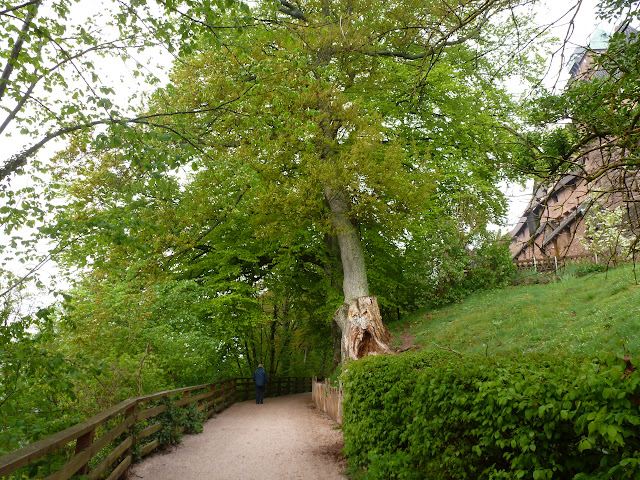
<point x="584" y="444"/>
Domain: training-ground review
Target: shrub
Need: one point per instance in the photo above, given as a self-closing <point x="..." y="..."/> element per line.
<point x="439" y="416"/>
<point x="173" y="418"/>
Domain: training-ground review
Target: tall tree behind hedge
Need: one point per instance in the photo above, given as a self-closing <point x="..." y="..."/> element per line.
<point x="356" y="115"/>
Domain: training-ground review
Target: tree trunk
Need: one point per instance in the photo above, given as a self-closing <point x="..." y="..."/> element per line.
<point x="354" y="270"/>
<point x="363" y="332"/>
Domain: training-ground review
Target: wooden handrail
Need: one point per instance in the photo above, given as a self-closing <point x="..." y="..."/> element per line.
<point x="210" y="398"/>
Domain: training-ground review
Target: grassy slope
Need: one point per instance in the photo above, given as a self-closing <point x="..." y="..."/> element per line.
<point x="597" y="312"/>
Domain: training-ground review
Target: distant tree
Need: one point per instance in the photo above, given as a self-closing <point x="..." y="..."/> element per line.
<point x="607" y="234"/>
<point x="37" y="383"/>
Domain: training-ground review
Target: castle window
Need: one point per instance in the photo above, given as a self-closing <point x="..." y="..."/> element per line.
<point x="533" y="222"/>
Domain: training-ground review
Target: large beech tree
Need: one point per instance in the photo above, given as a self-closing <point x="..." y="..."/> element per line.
<point x="353" y="113"/>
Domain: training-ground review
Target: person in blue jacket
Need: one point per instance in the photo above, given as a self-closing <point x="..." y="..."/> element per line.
<point x="260" y="380"/>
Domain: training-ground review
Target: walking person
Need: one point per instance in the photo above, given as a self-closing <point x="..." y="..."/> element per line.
<point x="260" y="380"/>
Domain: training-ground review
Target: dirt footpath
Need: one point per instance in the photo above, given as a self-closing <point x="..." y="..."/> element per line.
<point x="283" y="438"/>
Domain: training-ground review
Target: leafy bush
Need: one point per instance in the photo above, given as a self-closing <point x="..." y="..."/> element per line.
<point x="437" y="415"/>
<point x="582" y="269"/>
<point x="448" y="271"/>
<point x="378" y="396"/>
<point x="175" y="417"/>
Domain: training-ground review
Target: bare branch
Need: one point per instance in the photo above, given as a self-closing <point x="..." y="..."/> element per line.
<point x="448" y="349"/>
<point x="439" y="46"/>
<point x="17" y="161"/>
<point x="26" y="276"/>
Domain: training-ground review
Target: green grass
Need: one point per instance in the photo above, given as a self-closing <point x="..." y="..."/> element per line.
<point x="585" y="315"/>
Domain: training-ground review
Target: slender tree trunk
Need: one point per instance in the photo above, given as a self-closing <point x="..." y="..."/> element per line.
<point x="333" y="272"/>
<point x="250" y="361"/>
<point x="336" y="341"/>
<point x="272" y="344"/>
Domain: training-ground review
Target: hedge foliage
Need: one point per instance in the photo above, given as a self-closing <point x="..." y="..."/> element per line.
<point x="436" y="415"/>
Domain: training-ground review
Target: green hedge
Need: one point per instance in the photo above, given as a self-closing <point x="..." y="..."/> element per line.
<point x="436" y="415"/>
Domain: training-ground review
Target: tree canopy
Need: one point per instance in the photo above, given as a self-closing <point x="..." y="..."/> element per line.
<point x="336" y="118"/>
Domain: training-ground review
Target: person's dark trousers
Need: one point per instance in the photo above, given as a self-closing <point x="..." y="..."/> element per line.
<point x="259" y="393"/>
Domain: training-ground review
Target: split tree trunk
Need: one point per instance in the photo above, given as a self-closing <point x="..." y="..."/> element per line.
<point x="363" y="332"/>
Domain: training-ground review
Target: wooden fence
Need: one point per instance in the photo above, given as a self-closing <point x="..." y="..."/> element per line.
<point x="554" y="264"/>
<point x="104" y="445"/>
<point x="327" y="398"/>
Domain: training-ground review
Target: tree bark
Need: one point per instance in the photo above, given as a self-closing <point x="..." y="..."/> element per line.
<point x="354" y="270"/>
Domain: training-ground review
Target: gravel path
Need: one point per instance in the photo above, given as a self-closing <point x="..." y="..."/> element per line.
<point x="284" y="438"/>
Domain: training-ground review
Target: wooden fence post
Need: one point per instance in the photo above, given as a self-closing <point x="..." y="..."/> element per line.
<point x="132" y="410"/>
<point x="83" y="442"/>
<point x="213" y="403"/>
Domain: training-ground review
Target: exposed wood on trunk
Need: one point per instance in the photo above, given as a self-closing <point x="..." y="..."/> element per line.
<point x="363" y="332"/>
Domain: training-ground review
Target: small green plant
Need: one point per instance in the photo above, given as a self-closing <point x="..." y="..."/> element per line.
<point x="582" y="269"/>
<point x="193" y="420"/>
<point x="170" y="418"/>
<point x="174" y="418"/>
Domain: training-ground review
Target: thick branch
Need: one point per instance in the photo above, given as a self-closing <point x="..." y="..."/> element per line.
<point x="290" y="9"/>
<point x="17" y="48"/>
<point x="18" y="7"/>
<point x="429" y="51"/>
<point x="405" y="55"/>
